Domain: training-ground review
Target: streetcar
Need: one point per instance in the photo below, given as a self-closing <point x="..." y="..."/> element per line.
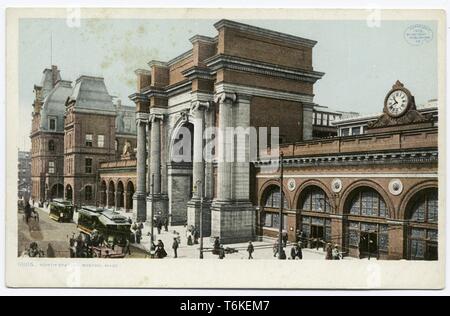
<point x="61" y="210"/>
<point x="115" y="228"/>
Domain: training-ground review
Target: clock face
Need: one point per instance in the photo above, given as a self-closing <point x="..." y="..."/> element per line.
<point x="397" y="102"/>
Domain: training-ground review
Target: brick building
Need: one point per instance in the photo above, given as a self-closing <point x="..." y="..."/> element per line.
<point x="75" y="129"/>
<point x="372" y="194"/>
<point x="245" y="76"/>
<point x="24" y="174"/>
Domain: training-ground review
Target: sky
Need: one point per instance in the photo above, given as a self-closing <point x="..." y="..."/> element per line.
<point x="361" y="63"/>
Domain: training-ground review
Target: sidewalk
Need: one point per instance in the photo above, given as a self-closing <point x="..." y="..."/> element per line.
<point x="263" y="249"/>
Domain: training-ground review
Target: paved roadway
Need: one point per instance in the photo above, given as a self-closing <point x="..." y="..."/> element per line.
<point x="49" y="232"/>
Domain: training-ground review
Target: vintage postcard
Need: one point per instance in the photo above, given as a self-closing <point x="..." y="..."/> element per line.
<point x="234" y="148"/>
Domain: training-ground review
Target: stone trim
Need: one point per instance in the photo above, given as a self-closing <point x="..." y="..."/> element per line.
<point x="266" y="93"/>
<point x="352" y="175"/>
<point x="278" y="36"/>
<point x="241" y="64"/>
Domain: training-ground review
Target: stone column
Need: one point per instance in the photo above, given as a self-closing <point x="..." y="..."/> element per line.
<point x="224" y="146"/>
<point x="157" y="202"/>
<point x="140" y="194"/>
<point x="232" y="213"/>
<point x="155" y="160"/>
<point x="198" y="109"/>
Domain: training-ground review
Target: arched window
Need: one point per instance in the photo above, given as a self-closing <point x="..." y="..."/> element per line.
<point x="315" y="200"/>
<point x="51" y="145"/>
<point x="273" y="198"/>
<point x="367" y="202"/>
<point x="422" y="211"/>
<point x="424" y="206"/>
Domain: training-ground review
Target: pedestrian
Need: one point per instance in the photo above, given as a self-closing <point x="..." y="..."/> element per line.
<point x="50" y="251"/>
<point x="126" y="249"/>
<point x="250" y="250"/>
<point x="159" y="225"/>
<point x="160" y="251"/>
<point x="336" y="253"/>
<point x="221" y="252"/>
<point x="216" y="246"/>
<point x="141" y="225"/>
<point x="275" y="248"/>
<point x="138" y="235"/>
<point x="27" y="211"/>
<point x="175" y="247"/>
<point x="293" y="253"/>
<point x="329" y="252"/>
<point x="166" y="223"/>
<point x="299" y="251"/>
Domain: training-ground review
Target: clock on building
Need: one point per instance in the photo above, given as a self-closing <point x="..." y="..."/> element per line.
<point x="397" y="101"/>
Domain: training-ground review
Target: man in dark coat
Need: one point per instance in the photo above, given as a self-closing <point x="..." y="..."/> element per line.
<point x="175" y="247"/>
<point x="27" y="211"/>
<point x="250" y="250"/>
<point x="221" y="252"/>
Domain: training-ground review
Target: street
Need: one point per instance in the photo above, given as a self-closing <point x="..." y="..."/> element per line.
<point x="49" y="232"/>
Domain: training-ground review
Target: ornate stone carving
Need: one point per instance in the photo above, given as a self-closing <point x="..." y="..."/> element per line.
<point x="291" y="184"/>
<point x="336" y="185"/>
<point x="395" y="187"/>
<point x="410" y="117"/>
<point x="127" y="152"/>
<point x="221" y="97"/>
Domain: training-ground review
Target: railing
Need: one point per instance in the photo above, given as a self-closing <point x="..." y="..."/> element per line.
<point x="362" y="143"/>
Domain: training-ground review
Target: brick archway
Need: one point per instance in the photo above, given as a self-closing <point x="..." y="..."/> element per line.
<point x="371" y="184"/>
<point x="429" y="184"/>
<point x="314" y="183"/>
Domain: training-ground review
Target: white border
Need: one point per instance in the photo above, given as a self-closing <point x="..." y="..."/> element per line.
<point x="231" y="3"/>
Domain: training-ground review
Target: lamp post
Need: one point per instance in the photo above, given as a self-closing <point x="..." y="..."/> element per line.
<point x="280" y="229"/>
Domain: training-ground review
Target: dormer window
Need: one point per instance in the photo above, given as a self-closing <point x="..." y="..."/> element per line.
<point x="52" y="123"/>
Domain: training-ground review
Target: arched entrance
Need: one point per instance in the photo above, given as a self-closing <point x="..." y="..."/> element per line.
<point x="103" y="193"/>
<point x="57" y="191"/>
<point x="366" y="229"/>
<point x="180" y="171"/>
<point x="111" y="194"/>
<point x="69" y="193"/>
<point x="120" y="195"/>
<point x="129" y="196"/>
<point x="315" y="223"/>
<point x="422" y="231"/>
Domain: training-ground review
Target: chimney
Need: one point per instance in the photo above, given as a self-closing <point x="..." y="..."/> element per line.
<point x="55" y="75"/>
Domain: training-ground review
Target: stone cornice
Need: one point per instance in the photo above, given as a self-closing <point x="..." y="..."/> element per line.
<point x="296" y="40"/>
<point x="202" y="38"/>
<point x="426" y="156"/>
<point x="266" y="93"/>
<point x="185" y="55"/>
<point x="198" y="73"/>
<point x="236" y="63"/>
<point x="138" y="97"/>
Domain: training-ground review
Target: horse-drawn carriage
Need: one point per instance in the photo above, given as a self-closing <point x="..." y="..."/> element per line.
<point x="61" y="210"/>
<point x="113" y="227"/>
